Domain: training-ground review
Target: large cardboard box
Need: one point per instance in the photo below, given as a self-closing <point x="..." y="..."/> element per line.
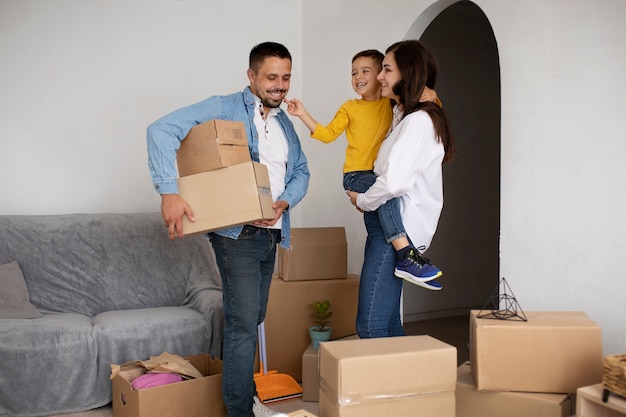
<point x="225" y="197"/>
<point x="289" y="316"/>
<point x="315" y="253"/>
<point x="311" y="371"/>
<point x="408" y="376"/>
<point x="200" y="397"/>
<point x="552" y="352"/>
<point x="212" y="145"/>
<point x="473" y="403"/>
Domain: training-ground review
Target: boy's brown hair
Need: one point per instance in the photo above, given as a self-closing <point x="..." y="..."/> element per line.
<point x="376" y="55"/>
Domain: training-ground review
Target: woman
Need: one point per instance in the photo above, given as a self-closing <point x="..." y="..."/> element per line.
<point x="408" y="166"/>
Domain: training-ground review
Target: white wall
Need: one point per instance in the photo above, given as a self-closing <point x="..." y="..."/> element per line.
<point x="563" y="148"/>
<point x="80" y="80"/>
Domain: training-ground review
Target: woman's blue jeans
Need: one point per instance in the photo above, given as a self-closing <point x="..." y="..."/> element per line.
<point x="388" y="213"/>
<point x="379" y="289"/>
<point x="246" y="265"/>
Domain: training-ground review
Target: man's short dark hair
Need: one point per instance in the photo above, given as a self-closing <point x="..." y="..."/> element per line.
<point x="264" y="50"/>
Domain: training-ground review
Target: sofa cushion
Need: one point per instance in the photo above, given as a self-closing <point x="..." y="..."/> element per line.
<point x="14" y="298"/>
<point x="48" y="366"/>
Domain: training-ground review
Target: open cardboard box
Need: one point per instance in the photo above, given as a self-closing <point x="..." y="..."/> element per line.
<point x="201" y="397"/>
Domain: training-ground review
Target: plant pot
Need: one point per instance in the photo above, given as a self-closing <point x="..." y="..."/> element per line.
<point x="319" y="336"/>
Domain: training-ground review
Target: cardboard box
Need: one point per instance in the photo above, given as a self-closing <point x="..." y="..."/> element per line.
<point x="473" y="403"/>
<point x="408" y="376"/>
<point x="289" y="316"/>
<point x="589" y="403"/>
<point x="226" y="197"/>
<point x="315" y="253"/>
<point x="212" y="145"/>
<point x="310" y="374"/>
<point x="200" y="397"/>
<point x="311" y="371"/>
<point x="552" y="352"/>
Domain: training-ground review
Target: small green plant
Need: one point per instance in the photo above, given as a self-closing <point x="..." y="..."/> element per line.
<point x="322" y="314"/>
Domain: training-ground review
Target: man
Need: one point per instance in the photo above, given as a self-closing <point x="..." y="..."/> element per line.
<point x="245" y="254"/>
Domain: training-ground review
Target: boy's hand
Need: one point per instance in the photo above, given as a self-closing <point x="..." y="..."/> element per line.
<point x="428" y="95"/>
<point x="295" y="107"/>
<point x="352" y="196"/>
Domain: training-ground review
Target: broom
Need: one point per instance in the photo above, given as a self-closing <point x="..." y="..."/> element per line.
<point x="270" y="385"/>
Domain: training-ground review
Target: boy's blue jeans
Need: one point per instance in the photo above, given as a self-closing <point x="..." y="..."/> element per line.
<point x="246" y="265"/>
<point x="388" y="213"/>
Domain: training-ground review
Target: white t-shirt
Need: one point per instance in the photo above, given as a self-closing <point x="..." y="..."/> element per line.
<point x="273" y="151"/>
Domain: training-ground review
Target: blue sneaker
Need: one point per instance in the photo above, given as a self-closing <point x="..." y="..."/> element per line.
<point x="416" y="269"/>
<point x="430" y="285"/>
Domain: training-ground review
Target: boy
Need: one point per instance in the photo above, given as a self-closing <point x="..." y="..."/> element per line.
<point x="366" y="122"/>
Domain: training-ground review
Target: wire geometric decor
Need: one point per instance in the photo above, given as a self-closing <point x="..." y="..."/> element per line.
<point x="502" y="305"/>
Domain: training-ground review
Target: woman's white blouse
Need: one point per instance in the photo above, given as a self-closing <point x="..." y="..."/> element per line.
<point x="409" y="166"/>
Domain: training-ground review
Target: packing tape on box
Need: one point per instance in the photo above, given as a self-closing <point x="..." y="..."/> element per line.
<point x="355" y="398"/>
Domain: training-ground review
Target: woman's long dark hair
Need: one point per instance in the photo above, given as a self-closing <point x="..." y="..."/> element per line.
<point x="418" y="68"/>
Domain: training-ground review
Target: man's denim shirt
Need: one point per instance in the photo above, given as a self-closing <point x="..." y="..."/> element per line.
<point x="165" y="135"/>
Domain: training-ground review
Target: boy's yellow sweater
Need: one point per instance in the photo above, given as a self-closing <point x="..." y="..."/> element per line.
<point x="366" y="124"/>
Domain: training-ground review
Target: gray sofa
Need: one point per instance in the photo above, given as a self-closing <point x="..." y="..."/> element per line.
<point x="103" y="289"/>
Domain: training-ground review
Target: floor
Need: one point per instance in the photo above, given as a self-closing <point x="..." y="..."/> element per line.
<point x="452" y="330"/>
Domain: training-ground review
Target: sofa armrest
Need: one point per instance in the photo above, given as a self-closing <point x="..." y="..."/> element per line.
<point x="208" y="302"/>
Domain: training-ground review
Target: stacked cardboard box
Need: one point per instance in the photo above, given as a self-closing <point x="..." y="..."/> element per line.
<point x="552" y="352"/>
<point x="473" y="403"/>
<point x="219" y="181"/>
<point x="313" y="269"/>
<point x="212" y="145"/>
<point x="400" y="376"/>
<point x="315" y="253"/>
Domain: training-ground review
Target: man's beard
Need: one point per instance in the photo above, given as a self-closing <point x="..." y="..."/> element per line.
<point x="270" y="102"/>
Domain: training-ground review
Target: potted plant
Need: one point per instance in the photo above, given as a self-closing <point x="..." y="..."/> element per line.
<point x="321" y="331"/>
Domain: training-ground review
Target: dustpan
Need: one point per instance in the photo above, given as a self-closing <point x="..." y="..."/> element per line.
<point x="270" y="385"/>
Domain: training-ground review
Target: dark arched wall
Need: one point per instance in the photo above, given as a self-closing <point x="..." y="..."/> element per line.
<point x="466" y="245"/>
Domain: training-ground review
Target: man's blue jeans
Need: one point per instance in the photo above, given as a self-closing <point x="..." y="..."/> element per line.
<point x="379" y="289"/>
<point x="246" y="265"/>
<point x="388" y="213"/>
